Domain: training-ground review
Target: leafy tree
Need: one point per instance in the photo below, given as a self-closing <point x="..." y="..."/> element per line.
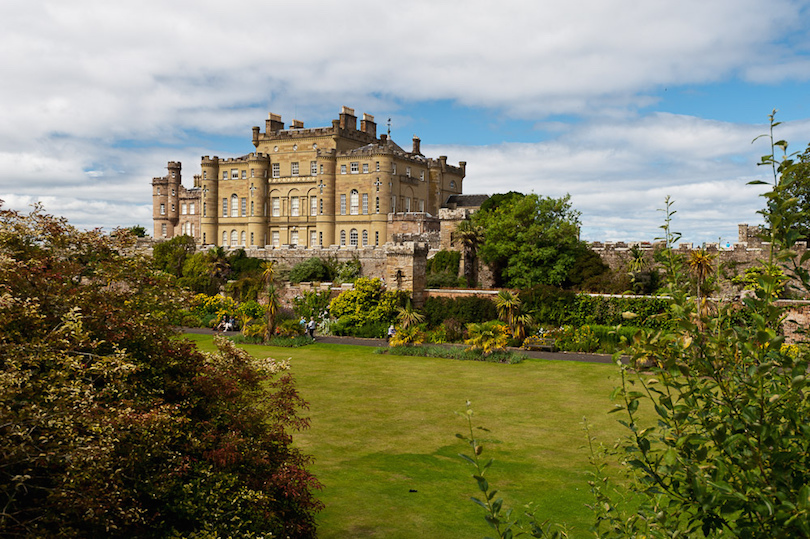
<point x="112" y="427"/>
<point x="794" y="190"/>
<point x="367" y="303"/>
<point x="488" y="337"/>
<point x="138" y="231"/>
<point x="171" y="255"/>
<point x="529" y="239"/>
<point x="470" y="236"/>
<point x="312" y="269"/>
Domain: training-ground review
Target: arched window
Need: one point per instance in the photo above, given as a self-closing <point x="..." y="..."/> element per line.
<point x="234" y="205"/>
<point x="354" y="202"/>
<point x="243" y="238"/>
<point x="365" y="238"/>
<point x="234" y="237"/>
<point x="224" y="238"/>
<point x="343" y="237"/>
<point x="353" y="237"/>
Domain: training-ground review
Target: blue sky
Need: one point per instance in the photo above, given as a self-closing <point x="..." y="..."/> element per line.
<point x="618" y="103"/>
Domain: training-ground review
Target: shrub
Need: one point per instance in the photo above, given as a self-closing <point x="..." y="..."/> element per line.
<point x="312" y="269"/>
<point x="465" y="310"/>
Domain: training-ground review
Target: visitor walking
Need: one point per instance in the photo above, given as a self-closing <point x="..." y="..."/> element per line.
<point x="311" y="328"/>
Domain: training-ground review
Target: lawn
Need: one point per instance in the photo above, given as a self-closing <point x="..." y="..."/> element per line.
<point x="384" y="446"/>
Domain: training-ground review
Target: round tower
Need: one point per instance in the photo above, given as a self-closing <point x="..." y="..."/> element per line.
<point x="257" y="219"/>
<point x="210" y="197"/>
<point x="326" y="197"/>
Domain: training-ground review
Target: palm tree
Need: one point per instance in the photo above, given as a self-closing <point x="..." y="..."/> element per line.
<point x="701" y="265"/>
<point x="470" y="237"/>
<point x="508" y="305"/>
<point x="268" y="279"/>
<point x="407" y="317"/>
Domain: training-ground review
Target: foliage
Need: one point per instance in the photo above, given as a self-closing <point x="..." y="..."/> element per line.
<point x="347" y="272"/>
<point x="442" y="270"/>
<point x="138" y="231"/>
<point x="487" y="337"/>
<point x="496" y="515"/>
<point x="171" y="255"/>
<point x="367" y="303"/>
<point x="345" y="326"/>
<point x="463" y="310"/>
<point x="470" y="236"/>
<point x="407" y="336"/>
<point x="312" y="270"/>
<point x="454" y="352"/>
<point x="752" y="279"/>
<point x="408" y="317"/>
<point x="588" y="272"/>
<point x="311" y="304"/>
<point x="109" y="426"/>
<point x="727" y="450"/>
<point x="529" y="239"/>
<point x="794" y="191"/>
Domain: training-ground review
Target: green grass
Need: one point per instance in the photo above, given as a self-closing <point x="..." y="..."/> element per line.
<point x="384" y="425"/>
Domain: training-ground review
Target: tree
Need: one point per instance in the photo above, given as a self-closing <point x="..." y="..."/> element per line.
<point x="529" y="239"/>
<point x="170" y="255"/>
<point x="271" y="309"/>
<point x="794" y="187"/>
<point x="110" y="425"/>
<point x="470" y="236"/>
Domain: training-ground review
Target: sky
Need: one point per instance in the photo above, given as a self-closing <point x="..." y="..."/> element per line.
<point x="618" y="103"/>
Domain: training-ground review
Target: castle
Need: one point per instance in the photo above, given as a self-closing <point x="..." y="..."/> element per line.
<point x="309" y="188"/>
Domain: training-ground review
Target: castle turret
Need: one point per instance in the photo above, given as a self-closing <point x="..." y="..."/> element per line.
<point x="326" y="197"/>
<point x="210" y="196"/>
<point x="257" y="219"/>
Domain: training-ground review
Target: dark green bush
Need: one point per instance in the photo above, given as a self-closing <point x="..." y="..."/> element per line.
<point x="311" y="270"/>
<point x="465" y="310"/>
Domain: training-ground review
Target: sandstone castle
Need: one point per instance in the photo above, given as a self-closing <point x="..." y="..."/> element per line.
<point x="309" y="188"/>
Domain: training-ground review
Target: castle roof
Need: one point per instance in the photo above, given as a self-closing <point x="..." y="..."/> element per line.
<point x="464" y="201"/>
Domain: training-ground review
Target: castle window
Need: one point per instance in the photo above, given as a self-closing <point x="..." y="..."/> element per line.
<point x="294" y="237"/>
<point x="321" y="169"/>
<point x="251" y="239"/>
<point x="224" y="238"/>
<point x="355" y="167"/>
<point x="321" y="206"/>
<point x="252" y="173"/>
<point x="407" y="203"/>
<point x="172" y="207"/>
<point x="294" y="207"/>
<point x="365" y="203"/>
<point x="224" y="174"/>
<point x="365" y="168"/>
<point x="163" y="230"/>
<point x="276" y="207"/>
<point x="313" y="168"/>
<point x="422" y="205"/>
<point x="343" y="204"/>
<point x="191" y="229"/>
<point x="172" y="192"/>
<point x="205" y="174"/>
<point x="313" y="238"/>
<point x="251" y="209"/>
<point x="276" y="170"/>
<point x="275" y="239"/>
<point x="343" y="237"/>
<point x="163" y="209"/>
<point x="234" y="205"/>
<point x="173" y="174"/>
<point x="320" y="238"/>
<point x="244" y="207"/>
<point x="205" y="209"/>
<point x="234" y="174"/>
<point x="365" y="238"/>
<point x="394" y="168"/>
<point x="353" y="237"/>
<point x="243" y="238"/>
<point x="354" y="206"/>
<point x="224" y="207"/>
<point x="377" y="205"/>
<point x="313" y="206"/>
<point x="377" y="238"/>
<point x="294" y="169"/>
<point x="408" y="171"/>
<point x="343" y="169"/>
<point x="234" y="237"/>
<point x="452" y="184"/>
<point x="394" y="204"/>
<point x="204" y="238"/>
<point x="422" y="175"/>
<point x="158" y="190"/>
<point x="191" y="208"/>
<point x="377" y="164"/>
<point x="244" y="174"/>
<point x="183" y="209"/>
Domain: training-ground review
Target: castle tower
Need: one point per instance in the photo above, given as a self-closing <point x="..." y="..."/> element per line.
<point x="210" y="197"/>
<point x="257" y="221"/>
<point x="326" y="197"/>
